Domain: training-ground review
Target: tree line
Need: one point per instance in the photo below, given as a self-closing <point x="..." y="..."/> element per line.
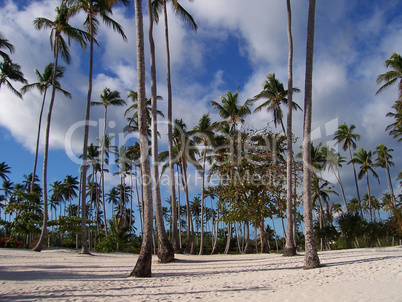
<point x="258" y="172"/>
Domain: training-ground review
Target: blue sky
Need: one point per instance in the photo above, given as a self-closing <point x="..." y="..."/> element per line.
<point x="236" y="45"/>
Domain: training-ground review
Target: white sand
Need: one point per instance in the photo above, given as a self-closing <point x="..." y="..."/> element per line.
<point x="63" y="275"/>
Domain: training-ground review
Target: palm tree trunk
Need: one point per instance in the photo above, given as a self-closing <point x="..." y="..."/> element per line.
<point x="202" y="201"/>
<point x="37" y="142"/>
<point x="84" y="244"/>
<point x="38" y="247"/>
<point x="390" y="188"/>
<point x="290" y="249"/>
<point x="190" y="226"/>
<point x="369" y="197"/>
<point x="175" y="237"/>
<point x="228" y="238"/>
<point x="357" y="185"/>
<point x="144" y="262"/>
<point x="103" y="170"/>
<point x="311" y="259"/>
<point x="338" y="178"/>
<point x="165" y="249"/>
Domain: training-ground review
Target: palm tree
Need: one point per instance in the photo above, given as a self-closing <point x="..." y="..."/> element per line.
<point x="70" y="188"/>
<point x="144" y="262"/>
<point x="4" y="170"/>
<point x="190" y="21"/>
<point x="345" y="135"/>
<point x="393" y="76"/>
<point x="107" y="98"/>
<point x="311" y="259"/>
<point x="10" y="71"/>
<point x="93" y="8"/>
<point x="231" y="111"/>
<point x="320" y="192"/>
<point x="276" y="95"/>
<point x="290" y="247"/>
<point x="4" y="43"/>
<point x="165" y="248"/>
<point x="58" y="27"/>
<point x="333" y="161"/>
<point x="44" y="82"/>
<point x="204" y="135"/>
<point x="384" y="160"/>
<point x="363" y="158"/>
<point x="395" y="129"/>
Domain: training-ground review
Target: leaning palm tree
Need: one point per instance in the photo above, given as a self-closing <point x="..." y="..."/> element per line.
<point x="182" y="13"/>
<point x="333" y="161"/>
<point x="58" y="27"/>
<point x="107" y="98"/>
<point x="393" y="76"/>
<point x="144" y="261"/>
<point x="4" y="43"/>
<point x="93" y="8"/>
<point x="363" y="158"/>
<point x="348" y="138"/>
<point x="10" y="71"/>
<point x="165" y="248"/>
<point x="384" y="160"/>
<point x="275" y="95"/>
<point x="311" y="259"/>
<point x="43" y="84"/>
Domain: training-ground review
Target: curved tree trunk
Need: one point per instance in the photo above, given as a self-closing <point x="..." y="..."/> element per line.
<point x="37" y="142"/>
<point x="165" y="249"/>
<point x="311" y="259"/>
<point x="144" y="262"/>
<point x="38" y="247"/>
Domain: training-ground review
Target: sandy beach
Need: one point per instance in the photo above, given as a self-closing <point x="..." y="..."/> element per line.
<point x="64" y="275"/>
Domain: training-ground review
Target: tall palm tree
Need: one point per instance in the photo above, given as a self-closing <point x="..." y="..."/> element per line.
<point x="311" y="259"/>
<point x="107" y="98"/>
<point x="4" y="43"/>
<point x="384" y="160"/>
<point x="275" y="95"/>
<point x="165" y="248"/>
<point x="92" y="9"/>
<point x="393" y="76"/>
<point x="363" y="158"/>
<point x="348" y="138"/>
<point x="290" y="247"/>
<point x="180" y="11"/>
<point x="43" y="84"/>
<point x="203" y="134"/>
<point x="58" y="27"/>
<point x="144" y="262"/>
<point x="10" y="71"/>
